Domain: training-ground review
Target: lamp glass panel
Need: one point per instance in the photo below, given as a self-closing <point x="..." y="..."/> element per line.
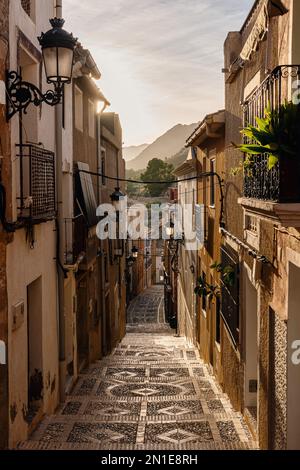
<point x="65" y="63"/>
<point x="50" y="62"/>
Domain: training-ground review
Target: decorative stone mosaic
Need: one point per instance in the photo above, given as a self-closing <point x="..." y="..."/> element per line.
<point x="152" y="392"/>
<point x="227" y="431"/>
<point x="215" y="406"/>
<point x="169" y="373"/>
<point x="71" y="408"/>
<point x="125" y="373"/>
<point x="85" y="387"/>
<point x="278" y="374"/>
<point x="112" y="409"/>
<point x="53" y="433"/>
<point x="174" y="408"/>
<point x="145" y="390"/>
<point x="179" y="434"/>
<point x="110" y="433"/>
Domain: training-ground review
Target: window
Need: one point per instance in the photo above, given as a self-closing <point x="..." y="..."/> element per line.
<point x="204" y="303"/>
<point x="92" y="121"/>
<point x="27" y="7"/>
<point x="251" y="224"/>
<point x="103" y="166"/>
<point x="218" y="320"/>
<point x="230" y="294"/>
<point x="212" y="169"/>
<point x="78" y="109"/>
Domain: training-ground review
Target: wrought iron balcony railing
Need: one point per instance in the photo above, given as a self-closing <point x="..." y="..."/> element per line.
<point x="261" y="183"/>
<point x="37" y="183"/>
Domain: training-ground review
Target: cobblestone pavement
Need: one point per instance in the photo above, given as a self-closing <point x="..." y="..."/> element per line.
<point x="152" y="393"/>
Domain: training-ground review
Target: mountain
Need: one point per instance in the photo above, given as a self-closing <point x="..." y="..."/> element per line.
<point x="165" y="147"/>
<point x="129" y="153"/>
<point x="179" y="158"/>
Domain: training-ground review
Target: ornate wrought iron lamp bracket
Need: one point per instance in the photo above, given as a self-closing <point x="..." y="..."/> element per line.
<point x="21" y="94"/>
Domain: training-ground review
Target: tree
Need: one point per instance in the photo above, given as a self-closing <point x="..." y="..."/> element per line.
<point x="157" y="170"/>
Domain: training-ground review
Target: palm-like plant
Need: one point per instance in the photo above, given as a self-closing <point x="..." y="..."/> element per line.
<point x="277" y="134"/>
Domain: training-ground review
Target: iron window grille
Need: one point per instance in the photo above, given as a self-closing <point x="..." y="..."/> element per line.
<point x="26" y="5"/>
<point x="262" y="183"/>
<point x="37" y="199"/>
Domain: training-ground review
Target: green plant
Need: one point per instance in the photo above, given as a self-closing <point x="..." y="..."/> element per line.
<point x="227" y="273"/>
<point x="276" y="134"/>
<point x="203" y="289"/>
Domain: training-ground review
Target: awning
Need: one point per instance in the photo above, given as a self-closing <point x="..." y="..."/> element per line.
<point x="268" y="9"/>
<point x="257" y="34"/>
<point x="85" y="194"/>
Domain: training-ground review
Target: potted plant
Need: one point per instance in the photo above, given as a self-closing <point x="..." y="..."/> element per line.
<point x="277" y="135"/>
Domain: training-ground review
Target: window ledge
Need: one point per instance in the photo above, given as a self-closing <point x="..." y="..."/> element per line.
<point x="288" y="214"/>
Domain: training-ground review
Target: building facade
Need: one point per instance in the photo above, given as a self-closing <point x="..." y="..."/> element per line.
<point x="187" y="253"/>
<point x="208" y="141"/>
<point x="113" y="252"/>
<point x="5" y="237"/>
<point x="52" y="272"/>
<point x="261" y="234"/>
<point x="29" y="265"/>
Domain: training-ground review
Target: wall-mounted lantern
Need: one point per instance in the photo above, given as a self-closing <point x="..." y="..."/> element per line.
<point x="170" y="230"/>
<point x="58" y="52"/>
<point x="135" y="252"/>
<point x="117" y="197"/>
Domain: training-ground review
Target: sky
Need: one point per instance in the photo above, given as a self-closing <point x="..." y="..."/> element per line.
<point x="160" y="60"/>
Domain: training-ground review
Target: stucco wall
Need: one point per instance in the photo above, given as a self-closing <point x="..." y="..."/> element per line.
<point x="278" y="48"/>
<point x="25" y="265"/>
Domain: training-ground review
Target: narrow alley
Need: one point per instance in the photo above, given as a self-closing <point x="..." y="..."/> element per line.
<point x="152" y="393"/>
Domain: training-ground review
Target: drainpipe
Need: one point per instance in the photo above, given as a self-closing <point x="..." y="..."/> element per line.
<point x="60" y="239"/>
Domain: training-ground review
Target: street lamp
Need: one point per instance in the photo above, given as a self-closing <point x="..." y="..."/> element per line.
<point x="135" y="252"/>
<point x="58" y="52"/>
<point x="170" y="230"/>
<point x="116" y="198"/>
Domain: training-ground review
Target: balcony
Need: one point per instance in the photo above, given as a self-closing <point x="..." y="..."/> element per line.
<point x="274" y="193"/>
<point x="281" y="184"/>
<point x="36" y="200"/>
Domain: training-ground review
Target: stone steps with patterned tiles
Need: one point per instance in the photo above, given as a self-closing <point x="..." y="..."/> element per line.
<point x="152" y="393"/>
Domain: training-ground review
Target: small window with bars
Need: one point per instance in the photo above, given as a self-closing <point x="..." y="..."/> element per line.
<point x="26" y="5"/>
<point x="230" y="306"/>
<point x="251" y="224"/>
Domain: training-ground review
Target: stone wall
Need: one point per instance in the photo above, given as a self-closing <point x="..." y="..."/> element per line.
<point x="273" y="283"/>
<point x="278" y="378"/>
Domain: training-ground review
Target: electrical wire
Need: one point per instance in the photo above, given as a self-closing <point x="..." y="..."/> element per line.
<point x="169" y="182"/>
<point x="125" y="180"/>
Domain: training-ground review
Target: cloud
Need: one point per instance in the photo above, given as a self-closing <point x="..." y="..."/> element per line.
<point x="161" y="60"/>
